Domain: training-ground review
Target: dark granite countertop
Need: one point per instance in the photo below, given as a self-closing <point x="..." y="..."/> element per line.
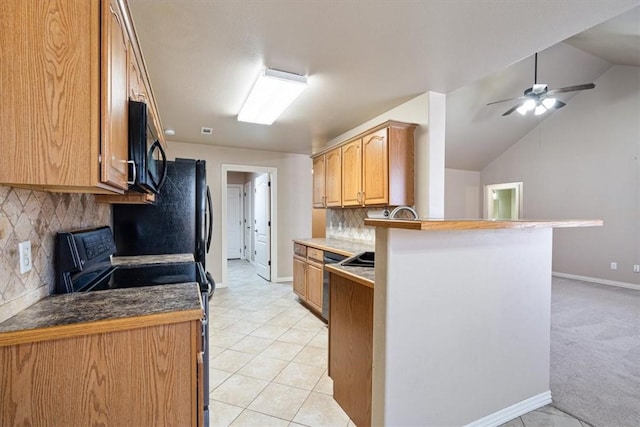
<point x="339" y="246"/>
<point x="139" y="260"/>
<point x="86" y="308"/>
<point x="363" y="275"/>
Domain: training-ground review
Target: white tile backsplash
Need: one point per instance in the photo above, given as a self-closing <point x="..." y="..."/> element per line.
<point x="37" y="216"/>
<point x="349" y="224"/>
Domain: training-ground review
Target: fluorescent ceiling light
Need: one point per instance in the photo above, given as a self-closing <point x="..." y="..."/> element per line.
<point x="272" y="93"/>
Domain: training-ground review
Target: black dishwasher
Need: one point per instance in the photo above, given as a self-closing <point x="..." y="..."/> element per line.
<point x="329" y="258"/>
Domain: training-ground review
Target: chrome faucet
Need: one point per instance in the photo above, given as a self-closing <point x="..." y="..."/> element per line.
<point x="399" y="209"/>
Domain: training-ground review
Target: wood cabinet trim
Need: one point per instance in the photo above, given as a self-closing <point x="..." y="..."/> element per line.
<point x="387" y="124"/>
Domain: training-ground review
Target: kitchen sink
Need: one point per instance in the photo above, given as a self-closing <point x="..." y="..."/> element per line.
<point x="363" y="259"/>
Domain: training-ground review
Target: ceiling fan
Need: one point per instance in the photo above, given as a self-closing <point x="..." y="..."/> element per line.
<point x="538" y="98"/>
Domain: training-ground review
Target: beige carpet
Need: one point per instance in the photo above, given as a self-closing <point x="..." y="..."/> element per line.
<point x="595" y="352"/>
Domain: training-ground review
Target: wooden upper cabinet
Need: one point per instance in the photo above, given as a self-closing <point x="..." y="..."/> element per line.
<point x="137" y="90"/>
<point x="352" y="173"/>
<point x="319" y="182"/>
<point x="68" y="69"/>
<point x="50" y="102"/>
<point x="115" y="84"/>
<point x="333" y="178"/>
<point x="375" y="168"/>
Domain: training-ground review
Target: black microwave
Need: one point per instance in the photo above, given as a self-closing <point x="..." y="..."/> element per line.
<point x="146" y="155"/>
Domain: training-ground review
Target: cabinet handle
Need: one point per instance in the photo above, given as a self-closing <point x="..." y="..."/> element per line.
<point x="362" y="197"/>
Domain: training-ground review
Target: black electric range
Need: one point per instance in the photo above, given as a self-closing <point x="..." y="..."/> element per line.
<point x="83" y="263"/>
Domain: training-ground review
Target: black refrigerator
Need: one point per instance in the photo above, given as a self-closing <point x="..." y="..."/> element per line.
<point x="180" y="221"/>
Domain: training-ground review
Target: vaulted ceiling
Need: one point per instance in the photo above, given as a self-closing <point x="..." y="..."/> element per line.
<point x="365" y="57"/>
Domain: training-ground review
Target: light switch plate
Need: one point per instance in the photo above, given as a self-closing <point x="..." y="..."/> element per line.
<point x="24" y="248"/>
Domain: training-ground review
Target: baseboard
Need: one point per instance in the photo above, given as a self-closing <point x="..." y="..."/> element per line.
<point x="513" y="411"/>
<point x="596" y="280"/>
<point x="220" y="285"/>
<point x="284" y="279"/>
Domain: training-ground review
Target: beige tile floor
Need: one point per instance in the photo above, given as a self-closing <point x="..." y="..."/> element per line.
<point x="269" y="361"/>
<point x="268" y="357"/>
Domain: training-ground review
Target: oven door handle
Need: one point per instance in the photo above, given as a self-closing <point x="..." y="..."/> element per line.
<point x="158" y="185"/>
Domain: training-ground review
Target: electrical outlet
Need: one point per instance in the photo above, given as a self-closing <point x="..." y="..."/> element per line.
<point x="24" y="248"/>
<point x="636" y="268"/>
<point x="614" y="265"/>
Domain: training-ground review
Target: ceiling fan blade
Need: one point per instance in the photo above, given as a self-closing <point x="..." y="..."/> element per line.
<point x="505" y="100"/>
<point x="571" y="88"/>
<point x="511" y="110"/>
<point x="559" y="104"/>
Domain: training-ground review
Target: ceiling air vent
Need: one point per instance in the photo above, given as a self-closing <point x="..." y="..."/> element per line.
<point x="206" y="131"/>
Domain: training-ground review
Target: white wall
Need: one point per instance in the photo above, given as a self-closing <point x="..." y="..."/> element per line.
<point x="293" y="195"/>
<point x="582" y="162"/>
<point x="462" y="195"/>
<point x="461" y="325"/>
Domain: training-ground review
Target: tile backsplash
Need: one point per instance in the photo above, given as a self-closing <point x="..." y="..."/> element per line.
<point x="349" y="224"/>
<point x="37" y="216"/>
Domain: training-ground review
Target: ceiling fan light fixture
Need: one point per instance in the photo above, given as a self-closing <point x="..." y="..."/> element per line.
<point x="272" y="93"/>
<point x="522" y="110"/>
<point x="540" y="109"/>
<point x="529" y="104"/>
<point x="549" y="103"/>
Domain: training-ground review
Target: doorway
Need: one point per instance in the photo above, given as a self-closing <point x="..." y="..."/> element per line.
<point x="262" y="223"/>
<point x="503" y="201"/>
<point x="248" y="222"/>
<point x="235" y="212"/>
<point x="257" y="229"/>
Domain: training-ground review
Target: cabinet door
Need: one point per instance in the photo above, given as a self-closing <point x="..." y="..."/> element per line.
<point x="319" y="182"/>
<point x="137" y="91"/>
<point x="333" y="178"/>
<point x="314" y="286"/>
<point x="375" y="168"/>
<point x="300" y="277"/>
<point x="114" y="139"/>
<point x="352" y="173"/>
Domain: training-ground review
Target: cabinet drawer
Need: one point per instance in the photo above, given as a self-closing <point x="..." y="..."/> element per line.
<point x="300" y="250"/>
<point x="314" y="254"/>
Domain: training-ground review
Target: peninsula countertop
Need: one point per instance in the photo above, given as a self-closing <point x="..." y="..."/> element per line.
<point x="67" y="315"/>
<point x="362" y="275"/>
<point x="479" y="224"/>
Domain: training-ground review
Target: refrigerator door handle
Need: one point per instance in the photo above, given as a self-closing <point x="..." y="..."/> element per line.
<point x="209" y="219"/>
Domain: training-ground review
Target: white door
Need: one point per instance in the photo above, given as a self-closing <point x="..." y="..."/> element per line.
<point x="247" y="222"/>
<point x="262" y="230"/>
<point x="234" y="221"/>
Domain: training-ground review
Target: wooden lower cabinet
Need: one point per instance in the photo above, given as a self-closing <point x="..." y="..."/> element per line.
<point x="300" y="276"/>
<point x="315" y="274"/>
<point x="146" y="376"/>
<point x="351" y="347"/>
<point x="308" y="275"/>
